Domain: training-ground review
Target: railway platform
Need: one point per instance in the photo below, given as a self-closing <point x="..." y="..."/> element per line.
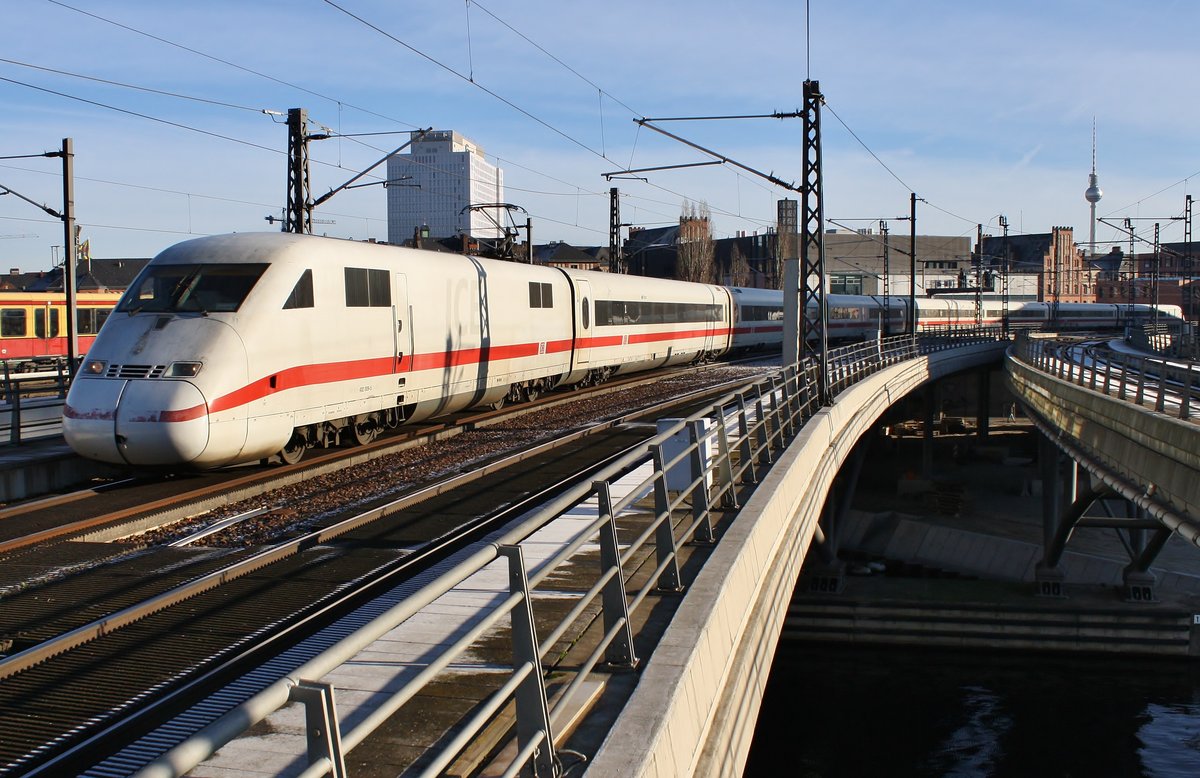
<point x="42" y="465"/>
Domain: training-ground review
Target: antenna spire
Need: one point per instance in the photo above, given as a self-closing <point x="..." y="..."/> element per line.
<point x="1093" y="193"/>
<point x="1093" y="146"/>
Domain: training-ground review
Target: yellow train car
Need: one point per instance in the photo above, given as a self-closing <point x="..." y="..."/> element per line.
<point x="33" y="325"/>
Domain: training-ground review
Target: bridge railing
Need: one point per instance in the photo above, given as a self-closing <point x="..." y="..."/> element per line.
<point x="726" y="449"/>
<point x="1141" y="380"/>
<point x="850" y="364"/>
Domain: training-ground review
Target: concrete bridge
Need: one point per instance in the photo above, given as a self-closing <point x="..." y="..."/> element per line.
<point x="703" y="685"/>
<point x="694" y="707"/>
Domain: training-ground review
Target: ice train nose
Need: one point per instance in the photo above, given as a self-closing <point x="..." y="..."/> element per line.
<point x="155" y="421"/>
<point x="161" y="422"/>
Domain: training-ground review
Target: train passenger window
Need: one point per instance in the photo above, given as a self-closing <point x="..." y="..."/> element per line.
<point x="584" y="305"/>
<point x="216" y="288"/>
<point x="39" y="323"/>
<point x="302" y="293"/>
<point x="87" y="321"/>
<point x="541" y="295"/>
<point x="380" y="288"/>
<point x="367" y="288"/>
<point x="12" y="322"/>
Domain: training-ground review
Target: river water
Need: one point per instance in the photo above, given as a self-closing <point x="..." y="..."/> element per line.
<point x="839" y="711"/>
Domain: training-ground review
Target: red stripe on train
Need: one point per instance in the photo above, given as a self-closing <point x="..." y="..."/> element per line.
<point x="311" y="375"/>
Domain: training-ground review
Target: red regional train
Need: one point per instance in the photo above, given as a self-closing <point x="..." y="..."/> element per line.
<point x="33" y="325"/>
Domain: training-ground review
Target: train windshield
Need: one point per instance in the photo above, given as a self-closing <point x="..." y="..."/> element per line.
<point x="191" y="288"/>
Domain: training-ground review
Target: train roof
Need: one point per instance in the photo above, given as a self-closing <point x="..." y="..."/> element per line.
<point x="746" y="295"/>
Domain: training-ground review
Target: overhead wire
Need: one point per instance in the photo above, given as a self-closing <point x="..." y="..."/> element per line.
<point x="130" y="86"/>
<point x="340" y="103"/>
<point x="470" y="79"/>
<point x="540" y="48"/>
<point x="140" y="115"/>
<point x="148" y="117"/>
<point x="234" y="65"/>
<point x="891" y="172"/>
<point x="351" y="136"/>
<point x="1141" y="200"/>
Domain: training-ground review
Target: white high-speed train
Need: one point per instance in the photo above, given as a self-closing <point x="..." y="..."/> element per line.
<point x="236" y="348"/>
<point x="859" y="317"/>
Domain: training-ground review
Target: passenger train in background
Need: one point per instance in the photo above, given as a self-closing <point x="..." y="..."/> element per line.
<point x="33" y="325"/>
<point x="238" y="348"/>
<point x="857" y="317"/>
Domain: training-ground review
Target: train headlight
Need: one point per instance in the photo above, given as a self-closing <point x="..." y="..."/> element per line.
<point x="183" y="369"/>
<point x="94" y="366"/>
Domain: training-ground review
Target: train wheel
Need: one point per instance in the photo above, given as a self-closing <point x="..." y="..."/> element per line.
<point x="533" y="392"/>
<point x="365" y="430"/>
<point x="293" y="452"/>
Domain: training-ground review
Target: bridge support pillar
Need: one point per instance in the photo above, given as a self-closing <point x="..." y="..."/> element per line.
<point x="1049" y="580"/>
<point x="1068" y="495"/>
<point x="828" y="580"/>
<point x="929" y="398"/>
<point x="983" y="408"/>
<point x="1050" y="461"/>
<point x="1139" y="586"/>
<point x="829" y="576"/>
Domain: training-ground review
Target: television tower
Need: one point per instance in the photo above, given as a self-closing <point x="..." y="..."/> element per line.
<point x="1093" y="194"/>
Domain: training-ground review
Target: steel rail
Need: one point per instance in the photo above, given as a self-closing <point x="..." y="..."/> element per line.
<point x="167" y="510"/>
<point x="36" y="654"/>
<point x="441" y="547"/>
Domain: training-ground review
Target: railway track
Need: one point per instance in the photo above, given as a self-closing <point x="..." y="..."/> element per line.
<point x="57" y="695"/>
<point x="122" y="508"/>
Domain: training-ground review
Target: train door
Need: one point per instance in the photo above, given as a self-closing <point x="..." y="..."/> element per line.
<point x="402" y="333"/>
<point x="712" y="320"/>
<point x="45" y="330"/>
<point x="583" y="323"/>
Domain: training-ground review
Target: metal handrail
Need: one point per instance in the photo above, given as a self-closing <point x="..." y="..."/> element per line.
<point x="24" y="391"/>
<point x="783" y="403"/>
<point x="1119" y="375"/>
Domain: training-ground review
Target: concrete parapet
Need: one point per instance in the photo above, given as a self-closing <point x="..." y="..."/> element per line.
<point x="1154" y="452"/>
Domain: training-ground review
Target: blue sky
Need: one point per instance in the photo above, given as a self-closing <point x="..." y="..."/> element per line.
<point x="981" y="108"/>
